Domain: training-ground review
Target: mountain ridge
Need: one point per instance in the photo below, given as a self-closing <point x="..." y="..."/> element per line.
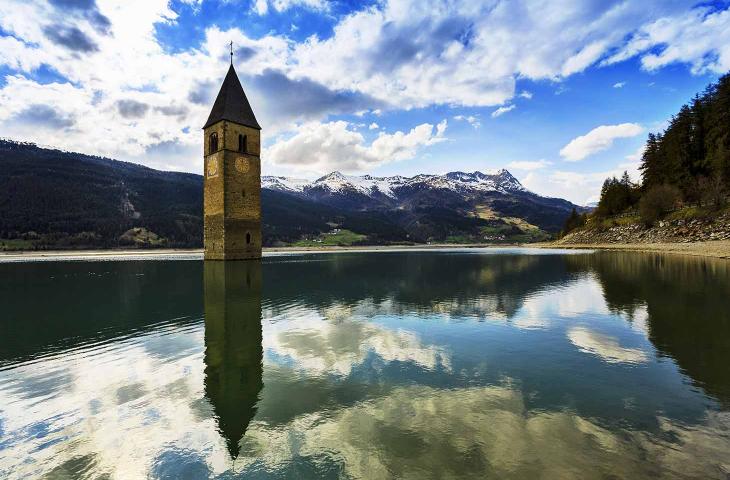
<point x="488" y="196"/>
<point x="55" y="199"/>
<point x="501" y="181"/>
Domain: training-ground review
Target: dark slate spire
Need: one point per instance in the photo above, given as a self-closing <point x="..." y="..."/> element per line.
<point x="231" y="104"/>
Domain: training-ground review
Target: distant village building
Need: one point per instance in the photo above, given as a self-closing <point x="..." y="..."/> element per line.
<point x="232" y="180"/>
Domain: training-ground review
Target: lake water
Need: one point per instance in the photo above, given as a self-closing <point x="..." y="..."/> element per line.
<point x="497" y="363"/>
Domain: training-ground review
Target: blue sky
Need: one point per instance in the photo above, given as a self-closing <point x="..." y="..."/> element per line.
<point x="561" y="93"/>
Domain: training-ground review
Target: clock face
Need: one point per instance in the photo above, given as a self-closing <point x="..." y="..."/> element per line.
<point x="242" y="164"/>
<point x="212" y="167"/>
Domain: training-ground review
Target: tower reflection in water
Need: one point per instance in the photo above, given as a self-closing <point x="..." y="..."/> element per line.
<point x="233" y="351"/>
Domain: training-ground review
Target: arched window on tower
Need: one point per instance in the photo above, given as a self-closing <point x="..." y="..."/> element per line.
<point x="213" y="143"/>
<point x="242" y="147"/>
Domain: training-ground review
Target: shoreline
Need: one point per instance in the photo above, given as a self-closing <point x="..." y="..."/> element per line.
<point x="712" y="249"/>
<point x="198" y="252"/>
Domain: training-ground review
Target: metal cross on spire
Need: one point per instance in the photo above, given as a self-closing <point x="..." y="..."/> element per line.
<point x="231" y="52"/>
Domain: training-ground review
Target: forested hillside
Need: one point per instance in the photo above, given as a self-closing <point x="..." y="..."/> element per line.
<point x="693" y="153"/>
<point x="50" y="197"/>
<point x="686" y="165"/>
<point x="55" y="199"/>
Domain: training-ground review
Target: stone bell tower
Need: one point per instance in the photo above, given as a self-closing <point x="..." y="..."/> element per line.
<point x="232" y="177"/>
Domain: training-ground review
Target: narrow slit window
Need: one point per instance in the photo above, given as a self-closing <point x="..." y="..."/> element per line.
<point x="213" y="143"/>
<point x="242" y="147"/>
<point x="248" y="238"/>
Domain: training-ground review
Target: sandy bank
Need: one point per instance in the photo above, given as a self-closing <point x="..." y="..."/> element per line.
<point x="714" y="248"/>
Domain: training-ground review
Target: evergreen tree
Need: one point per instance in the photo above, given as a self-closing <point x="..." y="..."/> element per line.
<point x="717" y="128"/>
<point x="617" y="196"/>
<point x="651" y="167"/>
<point x="694" y="150"/>
<point x="574" y="220"/>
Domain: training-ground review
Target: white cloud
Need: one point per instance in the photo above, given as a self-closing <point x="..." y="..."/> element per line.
<point x="414" y="53"/>
<point x="700" y="38"/>
<point x="637" y="155"/>
<point x="261" y="7"/>
<point x="525" y="94"/>
<point x="502" y="110"/>
<point x="473" y="120"/>
<point x="597" y="140"/>
<point x="619" y="85"/>
<point x="373" y="126"/>
<point x="528" y="165"/>
<point x="579" y="187"/>
<point x="323" y="147"/>
<point x="583" y="59"/>
<point x="393" y="55"/>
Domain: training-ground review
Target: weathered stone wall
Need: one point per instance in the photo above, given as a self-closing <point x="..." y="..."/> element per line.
<point x="232" y="196"/>
<point x="231" y="131"/>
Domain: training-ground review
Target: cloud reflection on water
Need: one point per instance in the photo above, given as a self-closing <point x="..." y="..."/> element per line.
<point x="422" y="432"/>
<point x="606" y="347"/>
<point x="378" y="379"/>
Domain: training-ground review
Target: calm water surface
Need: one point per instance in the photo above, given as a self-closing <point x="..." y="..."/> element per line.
<point x="439" y="364"/>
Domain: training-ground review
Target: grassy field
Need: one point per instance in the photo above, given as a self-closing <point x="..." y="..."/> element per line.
<point x="13" y="245"/>
<point x="341" y="238"/>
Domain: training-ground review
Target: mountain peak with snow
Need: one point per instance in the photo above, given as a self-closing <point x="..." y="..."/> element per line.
<point x="336" y="182"/>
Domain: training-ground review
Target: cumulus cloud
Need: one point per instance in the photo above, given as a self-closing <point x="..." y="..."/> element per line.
<point x="528" y="165"/>
<point x="202" y="93"/>
<point x="71" y="38"/>
<point x="86" y="9"/>
<point x="43" y="115"/>
<point x="502" y="110"/>
<point x="700" y="38"/>
<point x="389" y="56"/>
<point x="173" y="110"/>
<point x="468" y="53"/>
<point x="373" y="126"/>
<point x="261" y="7"/>
<point x="578" y="187"/>
<point x="619" y="85"/>
<point x="597" y="140"/>
<point x="302" y="99"/>
<point x="525" y="94"/>
<point x="15" y="55"/>
<point x="473" y="120"/>
<point x="635" y="158"/>
<point x="132" y="108"/>
<point x="323" y="147"/>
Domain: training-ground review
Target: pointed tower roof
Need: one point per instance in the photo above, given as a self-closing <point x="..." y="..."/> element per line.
<point x="231" y="104"/>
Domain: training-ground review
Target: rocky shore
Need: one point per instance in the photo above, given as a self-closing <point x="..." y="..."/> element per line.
<point x="664" y="231"/>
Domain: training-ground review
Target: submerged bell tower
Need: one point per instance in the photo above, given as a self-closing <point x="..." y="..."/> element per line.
<point x="232" y="176"/>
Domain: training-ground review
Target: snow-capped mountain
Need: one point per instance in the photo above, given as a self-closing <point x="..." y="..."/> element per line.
<point x="424" y="204"/>
<point x="338" y="183"/>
